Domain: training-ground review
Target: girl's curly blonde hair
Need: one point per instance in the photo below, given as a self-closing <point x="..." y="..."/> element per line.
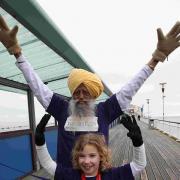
<point x="97" y="141"/>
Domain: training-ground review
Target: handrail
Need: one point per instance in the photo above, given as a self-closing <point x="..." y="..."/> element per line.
<point x="166" y="121"/>
<point x="163" y="120"/>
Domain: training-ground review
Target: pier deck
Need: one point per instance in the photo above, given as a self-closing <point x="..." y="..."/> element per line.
<point x="163" y="153"/>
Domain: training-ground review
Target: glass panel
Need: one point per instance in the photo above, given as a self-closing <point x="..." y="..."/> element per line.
<point x="13" y="110"/>
<point x="39" y="113"/>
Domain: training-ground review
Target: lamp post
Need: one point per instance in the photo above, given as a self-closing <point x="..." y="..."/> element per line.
<point x="163" y="96"/>
<point x="147" y="100"/>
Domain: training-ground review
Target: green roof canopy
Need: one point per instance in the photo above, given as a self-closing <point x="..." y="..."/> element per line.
<point x="49" y="52"/>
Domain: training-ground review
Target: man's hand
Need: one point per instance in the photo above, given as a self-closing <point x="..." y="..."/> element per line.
<point x="8" y="37"/>
<point x="39" y="134"/>
<point x="134" y="130"/>
<point x="167" y="44"/>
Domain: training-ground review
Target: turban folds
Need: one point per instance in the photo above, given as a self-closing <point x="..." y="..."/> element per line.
<point x="90" y="80"/>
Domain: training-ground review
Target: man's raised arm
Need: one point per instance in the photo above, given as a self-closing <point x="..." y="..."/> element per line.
<point x="165" y="46"/>
<point x="9" y="40"/>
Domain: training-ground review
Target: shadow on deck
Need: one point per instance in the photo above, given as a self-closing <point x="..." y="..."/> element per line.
<point x="163" y="153"/>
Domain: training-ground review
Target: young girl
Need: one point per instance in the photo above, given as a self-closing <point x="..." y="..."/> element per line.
<point x="91" y="156"/>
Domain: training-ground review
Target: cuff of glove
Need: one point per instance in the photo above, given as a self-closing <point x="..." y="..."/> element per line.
<point x="159" y="56"/>
<point x="137" y="143"/>
<point x="39" y="138"/>
<point x="14" y="49"/>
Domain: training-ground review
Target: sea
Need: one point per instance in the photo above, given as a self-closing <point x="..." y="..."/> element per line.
<point x="20" y="125"/>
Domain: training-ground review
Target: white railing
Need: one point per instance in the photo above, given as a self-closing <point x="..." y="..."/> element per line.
<point x="171" y="128"/>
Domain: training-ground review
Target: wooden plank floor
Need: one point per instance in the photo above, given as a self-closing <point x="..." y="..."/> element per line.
<point x="163" y="153"/>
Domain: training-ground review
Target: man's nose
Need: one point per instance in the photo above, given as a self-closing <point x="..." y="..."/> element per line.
<point x="81" y="95"/>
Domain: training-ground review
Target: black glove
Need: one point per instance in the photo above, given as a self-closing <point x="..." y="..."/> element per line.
<point x="134" y="130"/>
<point x="39" y="134"/>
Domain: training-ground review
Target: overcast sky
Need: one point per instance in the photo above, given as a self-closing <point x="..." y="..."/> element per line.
<point x="116" y="38"/>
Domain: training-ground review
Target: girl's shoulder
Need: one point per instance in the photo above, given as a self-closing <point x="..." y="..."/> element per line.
<point x="67" y="173"/>
<point x="118" y="173"/>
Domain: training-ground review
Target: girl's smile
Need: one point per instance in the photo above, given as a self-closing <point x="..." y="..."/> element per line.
<point x="89" y="160"/>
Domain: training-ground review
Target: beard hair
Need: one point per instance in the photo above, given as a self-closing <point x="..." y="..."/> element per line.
<point x="86" y="109"/>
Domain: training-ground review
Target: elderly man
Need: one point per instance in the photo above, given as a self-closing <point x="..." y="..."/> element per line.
<point x="80" y="114"/>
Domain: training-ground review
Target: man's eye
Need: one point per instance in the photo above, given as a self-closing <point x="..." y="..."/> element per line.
<point x="76" y="93"/>
<point x="86" y="93"/>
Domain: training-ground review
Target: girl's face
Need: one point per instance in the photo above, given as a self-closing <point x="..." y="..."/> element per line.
<point x="89" y="160"/>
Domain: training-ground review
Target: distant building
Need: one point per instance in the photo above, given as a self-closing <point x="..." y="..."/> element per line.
<point x="134" y="109"/>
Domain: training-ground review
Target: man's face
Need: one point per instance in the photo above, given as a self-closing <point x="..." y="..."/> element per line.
<point x="82" y="103"/>
<point x="81" y="94"/>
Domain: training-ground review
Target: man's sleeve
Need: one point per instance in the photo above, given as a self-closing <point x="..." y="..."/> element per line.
<point x="40" y="90"/>
<point x="124" y="96"/>
<point x="111" y="109"/>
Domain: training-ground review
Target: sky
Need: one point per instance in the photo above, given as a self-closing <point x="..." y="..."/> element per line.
<point x="117" y="38"/>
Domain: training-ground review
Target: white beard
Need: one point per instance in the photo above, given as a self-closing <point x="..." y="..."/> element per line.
<point x="82" y="110"/>
<point x="82" y="117"/>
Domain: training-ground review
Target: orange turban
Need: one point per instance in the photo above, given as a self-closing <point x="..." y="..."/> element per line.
<point x="90" y="80"/>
